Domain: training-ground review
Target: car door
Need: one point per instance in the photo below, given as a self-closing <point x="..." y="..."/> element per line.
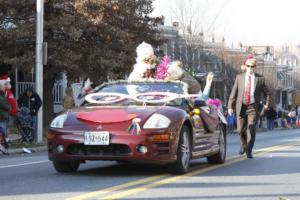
<point x="202" y="139"/>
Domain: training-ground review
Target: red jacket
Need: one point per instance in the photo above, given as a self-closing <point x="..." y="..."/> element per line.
<point x="12" y="101"/>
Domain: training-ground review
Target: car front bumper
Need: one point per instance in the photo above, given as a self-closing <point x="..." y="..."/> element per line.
<point x="123" y="146"/>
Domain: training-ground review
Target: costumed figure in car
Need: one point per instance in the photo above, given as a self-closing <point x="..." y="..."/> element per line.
<point x="144" y="67"/>
<point x="174" y="71"/>
<point x="209" y="115"/>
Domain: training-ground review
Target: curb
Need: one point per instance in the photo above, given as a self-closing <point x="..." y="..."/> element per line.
<point x="32" y="149"/>
<point x="275" y="129"/>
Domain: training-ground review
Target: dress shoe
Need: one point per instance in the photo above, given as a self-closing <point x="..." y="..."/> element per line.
<point x="249" y="155"/>
<point x="242" y="151"/>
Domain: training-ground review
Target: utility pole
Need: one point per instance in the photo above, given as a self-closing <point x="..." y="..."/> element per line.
<point x="39" y="64"/>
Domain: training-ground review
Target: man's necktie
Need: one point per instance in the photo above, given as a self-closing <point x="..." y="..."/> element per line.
<point x="247" y="92"/>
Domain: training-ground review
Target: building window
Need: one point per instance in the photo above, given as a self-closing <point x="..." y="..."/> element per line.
<point x="277" y="98"/>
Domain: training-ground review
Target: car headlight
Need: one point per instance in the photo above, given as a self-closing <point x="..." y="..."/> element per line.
<point x="58" y="122"/>
<point x="157" y="121"/>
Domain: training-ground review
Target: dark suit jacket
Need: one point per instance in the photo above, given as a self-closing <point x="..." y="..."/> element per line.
<point x="237" y="92"/>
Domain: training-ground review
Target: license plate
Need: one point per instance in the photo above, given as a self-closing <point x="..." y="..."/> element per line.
<point x="96" y="138"/>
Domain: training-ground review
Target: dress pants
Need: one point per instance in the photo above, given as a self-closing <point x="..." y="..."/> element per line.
<point x="246" y="126"/>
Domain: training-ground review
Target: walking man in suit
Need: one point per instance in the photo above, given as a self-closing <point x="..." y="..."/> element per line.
<point x="245" y="97"/>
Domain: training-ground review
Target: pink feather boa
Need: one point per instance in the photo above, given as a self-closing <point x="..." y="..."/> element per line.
<point x="162" y="69"/>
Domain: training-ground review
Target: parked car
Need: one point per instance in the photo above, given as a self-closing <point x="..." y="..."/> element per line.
<point x="138" y="121"/>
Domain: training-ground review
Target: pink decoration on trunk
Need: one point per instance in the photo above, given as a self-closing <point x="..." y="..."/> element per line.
<point x="106" y="116"/>
<point x="215" y="102"/>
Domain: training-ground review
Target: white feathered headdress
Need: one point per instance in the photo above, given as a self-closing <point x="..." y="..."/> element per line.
<point x="145" y="60"/>
<point x="145" y="55"/>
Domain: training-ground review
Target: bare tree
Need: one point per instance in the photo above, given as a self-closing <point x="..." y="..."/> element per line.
<point x="232" y="60"/>
<point x="94" y="38"/>
<point x="194" y="19"/>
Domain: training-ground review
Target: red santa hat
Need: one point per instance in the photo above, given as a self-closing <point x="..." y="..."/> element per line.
<point x="250" y="60"/>
<point x="4" y="79"/>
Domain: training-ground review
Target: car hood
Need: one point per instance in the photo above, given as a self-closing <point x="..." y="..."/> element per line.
<point x="113" y="118"/>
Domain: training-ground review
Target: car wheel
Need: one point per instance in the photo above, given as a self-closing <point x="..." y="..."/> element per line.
<point x="219" y="157"/>
<point x="182" y="163"/>
<point x="65" y="166"/>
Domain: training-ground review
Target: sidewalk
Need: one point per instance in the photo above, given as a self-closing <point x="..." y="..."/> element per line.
<point x="25" y="149"/>
<point x="276" y="129"/>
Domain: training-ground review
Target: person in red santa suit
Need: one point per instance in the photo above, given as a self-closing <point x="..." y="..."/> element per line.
<point x="5" y="80"/>
<point x="9" y="95"/>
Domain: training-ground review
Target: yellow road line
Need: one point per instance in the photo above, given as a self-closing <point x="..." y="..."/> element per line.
<point x="166" y="180"/>
<point x="196" y="172"/>
<point x="118" y="187"/>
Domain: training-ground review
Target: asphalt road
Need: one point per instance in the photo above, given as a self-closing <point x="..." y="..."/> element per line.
<point x="273" y="173"/>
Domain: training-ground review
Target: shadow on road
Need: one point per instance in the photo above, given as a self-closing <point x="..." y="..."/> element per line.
<point x="97" y="176"/>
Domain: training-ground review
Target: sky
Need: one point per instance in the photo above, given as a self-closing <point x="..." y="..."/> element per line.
<point x="251" y="22"/>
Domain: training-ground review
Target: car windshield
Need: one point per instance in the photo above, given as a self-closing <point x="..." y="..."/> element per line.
<point x="134" y="88"/>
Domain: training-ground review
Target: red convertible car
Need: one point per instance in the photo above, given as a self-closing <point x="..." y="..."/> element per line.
<point x="156" y="122"/>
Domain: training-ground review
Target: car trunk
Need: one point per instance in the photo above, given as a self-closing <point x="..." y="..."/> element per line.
<point x="96" y="118"/>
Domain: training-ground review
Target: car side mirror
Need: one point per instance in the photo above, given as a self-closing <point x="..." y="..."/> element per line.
<point x="199" y="103"/>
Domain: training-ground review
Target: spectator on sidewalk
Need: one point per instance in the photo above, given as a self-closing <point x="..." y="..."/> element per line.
<point x="271" y="117"/>
<point x="13" y="103"/>
<point x="31" y="100"/>
<point x="3" y="142"/>
<point x="69" y="101"/>
<point x="284" y="122"/>
<point x="10" y="96"/>
<point x="298" y="115"/>
<point x="231" y="123"/>
<point x="259" y="123"/>
<point x="292" y="115"/>
<point x="279" y="116"/>
<point x="4" y="114"/>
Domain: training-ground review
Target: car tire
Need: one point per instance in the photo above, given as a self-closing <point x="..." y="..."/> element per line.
<point x="183" y="161"/>
<point x="219" y="157"/>
<point x="66" y="166"/>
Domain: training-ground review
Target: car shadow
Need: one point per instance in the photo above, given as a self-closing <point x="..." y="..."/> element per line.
<point x="131" y="169"/>
<point x="120" y="169"/>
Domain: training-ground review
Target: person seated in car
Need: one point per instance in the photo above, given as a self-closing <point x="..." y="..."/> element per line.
<point x="145" y="63"/>
<point x="145" y="69"/>
<point x="175" y="72"/>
